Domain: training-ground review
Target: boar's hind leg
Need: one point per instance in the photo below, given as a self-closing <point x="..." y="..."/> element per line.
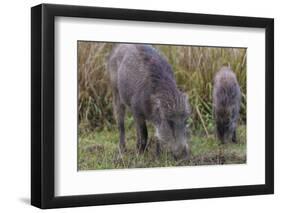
<point x="120" y="111"/>
<point x="141" y="133"/>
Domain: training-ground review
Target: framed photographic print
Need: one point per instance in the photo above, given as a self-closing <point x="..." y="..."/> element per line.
<point x="139" y="106"/>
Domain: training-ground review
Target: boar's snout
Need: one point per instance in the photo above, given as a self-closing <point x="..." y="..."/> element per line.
<point x="173" y="137"/>
<point x="181" y="152"/>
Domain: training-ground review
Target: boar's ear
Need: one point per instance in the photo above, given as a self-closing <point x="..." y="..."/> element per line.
<point x="155" y="103"/>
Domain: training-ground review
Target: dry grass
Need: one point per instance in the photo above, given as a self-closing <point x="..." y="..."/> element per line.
<point x="94" y="100"/>
<point x="194" y="69"/>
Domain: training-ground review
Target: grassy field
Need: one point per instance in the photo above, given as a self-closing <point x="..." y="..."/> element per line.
<point x="99" y="150"/>
<point x="194" y="69"/>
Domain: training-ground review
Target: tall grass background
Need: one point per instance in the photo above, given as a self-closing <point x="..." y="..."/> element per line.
<point x="194" y="68"/>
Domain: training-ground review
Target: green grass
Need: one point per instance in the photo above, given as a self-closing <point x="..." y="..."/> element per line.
<point x="99" y="150"/>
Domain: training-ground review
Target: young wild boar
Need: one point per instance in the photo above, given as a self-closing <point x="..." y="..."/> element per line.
<point x="143" y="81"/>
<point x="226" y="104"/>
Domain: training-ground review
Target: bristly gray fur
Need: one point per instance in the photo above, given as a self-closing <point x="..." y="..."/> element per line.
<point x="226" y="103"/>
<point x="143" y="81"/>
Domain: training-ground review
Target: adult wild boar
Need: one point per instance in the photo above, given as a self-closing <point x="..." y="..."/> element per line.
<point x="143" y="81"/>
<point x="226" y="104"/>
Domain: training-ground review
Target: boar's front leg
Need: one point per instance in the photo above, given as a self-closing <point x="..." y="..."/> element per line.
<point x="234" y="138"/>
<point x="141" y="133"/>
<point x="120" y="111"/>
<point x="221" y="132"/>
<point x="158" y="149"/>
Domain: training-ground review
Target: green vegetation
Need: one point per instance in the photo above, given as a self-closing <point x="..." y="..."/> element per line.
<point x="100" y="150"/>
<point x="194" y="69"/>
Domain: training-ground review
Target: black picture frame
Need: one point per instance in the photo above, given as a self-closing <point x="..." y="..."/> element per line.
<point x="43" y="102"/>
